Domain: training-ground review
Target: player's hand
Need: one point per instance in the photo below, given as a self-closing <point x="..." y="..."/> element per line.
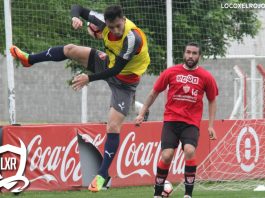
<point x="138" y="120"/>
<point x="80" y="81"/>
<point x="212" y="134"/>
<point x="77" y="23"/>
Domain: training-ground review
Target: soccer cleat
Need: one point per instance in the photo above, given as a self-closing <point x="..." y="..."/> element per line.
<point x="187" y="196"/>
<point x="97" y="184"/>
<point x="20" y="55"/>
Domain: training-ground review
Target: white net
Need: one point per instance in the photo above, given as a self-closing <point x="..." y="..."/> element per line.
<point x="237" y="162"/>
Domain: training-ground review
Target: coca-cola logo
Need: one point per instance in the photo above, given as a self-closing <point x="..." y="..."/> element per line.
<point x="50" y="159"/>
<point x="136" y="157"/>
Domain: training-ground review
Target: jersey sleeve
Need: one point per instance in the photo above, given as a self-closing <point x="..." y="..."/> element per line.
<point x="131" y="45"/>
<point x="211" y="88"/>
<point x="89" y="15"/>
<point x="162" y="82"/>
<point x="97" y="19"/>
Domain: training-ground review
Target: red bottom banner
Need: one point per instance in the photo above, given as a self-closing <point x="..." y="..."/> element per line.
<point x="60" y="157"/>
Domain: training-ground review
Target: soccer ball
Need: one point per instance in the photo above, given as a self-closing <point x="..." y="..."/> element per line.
<point x="168" y="189"/>
<point x="94" y="31"/>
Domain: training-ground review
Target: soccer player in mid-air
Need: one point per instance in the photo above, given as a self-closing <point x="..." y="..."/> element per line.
<point x="187" y="83"/>
<point x="125" y="60"/>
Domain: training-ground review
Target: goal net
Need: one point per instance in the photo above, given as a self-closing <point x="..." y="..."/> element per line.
<point x="237" y="162"/>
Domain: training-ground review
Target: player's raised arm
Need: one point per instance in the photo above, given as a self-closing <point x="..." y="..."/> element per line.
<point x="78" y="11"/>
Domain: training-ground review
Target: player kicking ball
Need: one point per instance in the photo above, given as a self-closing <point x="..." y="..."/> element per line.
<point x="126" y="58"/>
<point x="187" y="84"/>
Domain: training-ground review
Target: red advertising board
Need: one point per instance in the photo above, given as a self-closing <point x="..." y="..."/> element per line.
<point x="53" y="158"/>
<point x="53" y="161"/>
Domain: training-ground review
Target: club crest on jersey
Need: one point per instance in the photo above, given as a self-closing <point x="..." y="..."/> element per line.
<point x="186" y="88"/>
<point x="189" y="78"/>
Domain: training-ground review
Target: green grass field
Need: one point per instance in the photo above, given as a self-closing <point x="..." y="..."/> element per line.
<point x="137" y="192"/>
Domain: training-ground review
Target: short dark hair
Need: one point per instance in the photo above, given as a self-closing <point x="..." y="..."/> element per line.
<point x="195" y="45"/>
<point x="112" y="12"/>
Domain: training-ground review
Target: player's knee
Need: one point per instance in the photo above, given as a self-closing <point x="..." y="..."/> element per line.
<point x="189" y="151"/>
<point x="113" y="127"/>
<point x="68" y="49"/>
<point x="167" y="156"/>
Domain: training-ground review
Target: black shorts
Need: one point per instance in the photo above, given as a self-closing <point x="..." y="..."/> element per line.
<point x="121" y="94"/>
<point x="174" y="131"/>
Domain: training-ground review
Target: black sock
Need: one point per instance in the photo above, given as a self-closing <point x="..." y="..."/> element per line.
<point x="52" y="54"/>
<point x="161" y="175"/>
<point x="110" y="149"/>
<point x="189" y="175"/>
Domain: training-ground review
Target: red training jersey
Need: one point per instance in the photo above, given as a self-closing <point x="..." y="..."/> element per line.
<point x="185" y="93"/>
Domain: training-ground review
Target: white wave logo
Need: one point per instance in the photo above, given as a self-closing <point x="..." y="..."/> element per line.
<point x="10" y="164"/>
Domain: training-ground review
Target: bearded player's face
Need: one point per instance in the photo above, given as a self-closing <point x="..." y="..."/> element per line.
<point x="116" y="26"/>
<point x="191" y="56"/>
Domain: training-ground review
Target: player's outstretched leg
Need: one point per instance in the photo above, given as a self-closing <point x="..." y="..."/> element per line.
<point x="59" y="53"/>
<point x="27" y="60"/>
